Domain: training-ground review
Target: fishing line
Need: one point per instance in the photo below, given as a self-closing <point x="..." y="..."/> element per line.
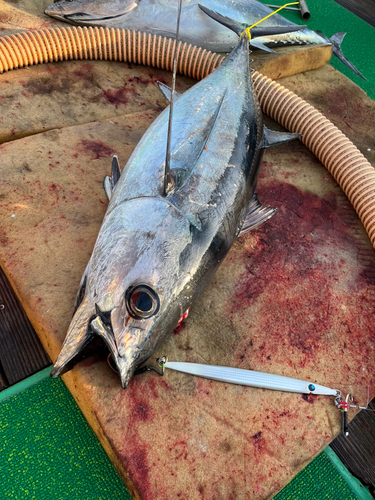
<point x="167" y="179"/>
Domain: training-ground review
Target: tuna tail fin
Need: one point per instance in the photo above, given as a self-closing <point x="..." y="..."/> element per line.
<point x="336" y="41"/>
<point x="257" y="44"/>
<point x="255" y="32"/>
<point x="233" y="25"/>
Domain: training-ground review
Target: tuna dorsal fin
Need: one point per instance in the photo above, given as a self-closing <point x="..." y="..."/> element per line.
<point x="256" y="215"/>
<point x="167" y="91"/>
<point x="272" y="138"/>
<point x="109" y="183"/>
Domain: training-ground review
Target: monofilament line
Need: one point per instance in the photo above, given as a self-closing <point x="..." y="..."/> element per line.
<point x="168" y="155"/>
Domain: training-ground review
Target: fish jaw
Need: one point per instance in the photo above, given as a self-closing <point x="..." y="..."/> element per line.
<point x="86" y="11"/>
<point x="125" y="363"/>
<point x="77" y="338"/>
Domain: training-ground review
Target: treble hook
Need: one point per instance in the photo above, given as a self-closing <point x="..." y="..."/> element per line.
<point x="345" y="405"/>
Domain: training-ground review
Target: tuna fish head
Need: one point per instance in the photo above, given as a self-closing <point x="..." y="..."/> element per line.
<point x="133" y="292"/>
<point x="89" y="10"/>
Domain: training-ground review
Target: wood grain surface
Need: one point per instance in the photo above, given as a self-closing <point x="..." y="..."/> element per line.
<point x="21" y="353"/>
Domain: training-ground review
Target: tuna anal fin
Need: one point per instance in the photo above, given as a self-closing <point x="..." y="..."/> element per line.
<point x="167" y="91"/>
<point x="272" y="138"/>
<point x="109" y="183"/>
<point x="256" y="215"/>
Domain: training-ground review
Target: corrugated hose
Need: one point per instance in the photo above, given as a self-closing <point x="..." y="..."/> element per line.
<point x="343" y="160"/>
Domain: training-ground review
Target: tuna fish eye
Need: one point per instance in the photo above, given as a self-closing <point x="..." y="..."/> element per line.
<point x="141" y="301"/>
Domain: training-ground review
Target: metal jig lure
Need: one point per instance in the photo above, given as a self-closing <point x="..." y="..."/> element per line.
<point x="260" y="380"/>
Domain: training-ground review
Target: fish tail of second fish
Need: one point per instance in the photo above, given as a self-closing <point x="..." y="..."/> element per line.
<point x="255" y="32"/>
<point x="336" y="41"/>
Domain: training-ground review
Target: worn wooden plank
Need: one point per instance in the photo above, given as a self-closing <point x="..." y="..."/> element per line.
<point x="21" y="353"/>
<point x="357" y="450"/>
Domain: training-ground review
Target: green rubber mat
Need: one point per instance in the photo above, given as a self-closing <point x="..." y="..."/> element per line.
<point x="324" y="478"/>
<point x="48" y="452"/>
<point x="329" y="17"/>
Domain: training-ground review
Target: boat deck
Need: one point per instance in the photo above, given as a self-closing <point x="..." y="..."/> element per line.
<point x="21" y="353"/>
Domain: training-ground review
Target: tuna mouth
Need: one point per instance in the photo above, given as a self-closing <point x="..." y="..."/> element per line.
<point x="80" y="341"/>
<point x="124" y="366"/>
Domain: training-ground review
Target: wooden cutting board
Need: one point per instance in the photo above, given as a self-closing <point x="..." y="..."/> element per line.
<point x="295" y="297"/>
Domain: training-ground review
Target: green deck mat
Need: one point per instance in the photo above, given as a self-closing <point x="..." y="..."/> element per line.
<point x="324" y="478"/>
<point x="329" y="17"/>
<point x="48" y="452"/>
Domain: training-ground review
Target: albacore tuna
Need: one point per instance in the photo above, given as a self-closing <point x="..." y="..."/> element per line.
<point x="157" y="249"/>
<point x="159" y="17"/>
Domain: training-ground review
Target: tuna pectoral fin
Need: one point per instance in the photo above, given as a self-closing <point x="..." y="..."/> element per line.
<point x="256" y="215"/>
<point x="336" y="41"/>
<point x="109" y="183"/>
<point x="167" y="91"/>
<point x="272" y="138"/>
<point x="257" y="44"/>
